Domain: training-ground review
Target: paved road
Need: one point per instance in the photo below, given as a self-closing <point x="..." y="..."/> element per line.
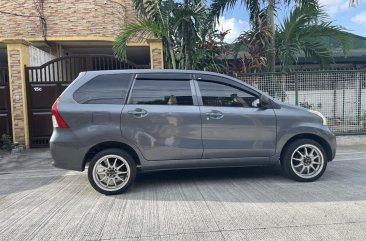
<point x="38" y="202"/>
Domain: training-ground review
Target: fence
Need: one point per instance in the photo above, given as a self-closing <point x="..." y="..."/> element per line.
<point x="338" y="95"/>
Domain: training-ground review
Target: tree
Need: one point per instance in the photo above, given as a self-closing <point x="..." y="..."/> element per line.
<point x="176" y="23"/>
<point x="187" y="49"/>
<point x="266" y="13"/>
<point x="155" y="22"/>
<point x="254" y="44"/>
<point x="305" y="31"/>
<point x="190" y="40"/>
<point x="353" y="3"/>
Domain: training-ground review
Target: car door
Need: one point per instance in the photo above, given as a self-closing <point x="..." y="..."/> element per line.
<point x="232" y="123"/>
<point x="161" y="119"/>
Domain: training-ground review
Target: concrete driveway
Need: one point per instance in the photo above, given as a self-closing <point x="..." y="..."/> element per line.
<point x="39" y="202"/>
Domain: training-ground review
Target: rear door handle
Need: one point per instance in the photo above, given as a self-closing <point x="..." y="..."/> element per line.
<point x="138" y="113"/>
<point x="215" y="114"/>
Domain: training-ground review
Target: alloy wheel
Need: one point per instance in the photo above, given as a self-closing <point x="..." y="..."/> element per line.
<point x="307" y="161"/>
<point x="111" y="172"/>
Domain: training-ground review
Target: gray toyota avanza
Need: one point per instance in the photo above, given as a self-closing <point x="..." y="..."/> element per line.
<point x="122" y="122"/>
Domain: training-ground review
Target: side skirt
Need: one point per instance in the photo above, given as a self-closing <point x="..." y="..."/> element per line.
<point x="204" y="163"/>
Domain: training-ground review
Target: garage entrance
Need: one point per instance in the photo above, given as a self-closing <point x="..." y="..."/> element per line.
<point x="46" y="82"/>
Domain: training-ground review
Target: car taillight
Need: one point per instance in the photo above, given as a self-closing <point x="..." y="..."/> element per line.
<point x="57" y="120"/>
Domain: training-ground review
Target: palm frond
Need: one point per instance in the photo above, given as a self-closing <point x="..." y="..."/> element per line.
<point x="301" y="3"/>
<point x="353" y="3"/>
<point x="139" y="31"/>
<point x="304" y="31"/>
<point x="218" y="7"/>
<point x="139" y="6"/>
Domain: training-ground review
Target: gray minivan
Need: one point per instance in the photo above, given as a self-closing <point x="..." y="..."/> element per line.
<point x="123" y="121"/>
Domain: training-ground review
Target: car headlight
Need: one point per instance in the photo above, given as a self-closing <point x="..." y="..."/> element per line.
<point x="319" y="114"/>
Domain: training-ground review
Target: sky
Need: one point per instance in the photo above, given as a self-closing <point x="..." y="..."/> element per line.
<point x="351" y="18"/>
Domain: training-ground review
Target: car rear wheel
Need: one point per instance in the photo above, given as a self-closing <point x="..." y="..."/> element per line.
<point x="111" y="171"/>
<point x="304" y="160"/>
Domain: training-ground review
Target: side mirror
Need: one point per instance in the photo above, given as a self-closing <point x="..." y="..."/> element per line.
<point x="265" y="102"/>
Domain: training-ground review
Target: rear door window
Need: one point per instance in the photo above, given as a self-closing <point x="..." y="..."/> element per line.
<point x="161" y="92"/>
<point x="104" y="89"/>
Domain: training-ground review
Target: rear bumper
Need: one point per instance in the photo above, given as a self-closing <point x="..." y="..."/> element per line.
<point x="65" y="151"/>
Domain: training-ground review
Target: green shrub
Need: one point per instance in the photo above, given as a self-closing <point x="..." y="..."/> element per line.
<point x="7" y="142"/>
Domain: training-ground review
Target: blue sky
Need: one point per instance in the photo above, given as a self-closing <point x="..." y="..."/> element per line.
<point x="351" y="18"/>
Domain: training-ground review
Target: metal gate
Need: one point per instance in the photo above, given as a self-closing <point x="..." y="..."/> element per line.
<point x="5" y="106"/>
<point x="46" y="82"/>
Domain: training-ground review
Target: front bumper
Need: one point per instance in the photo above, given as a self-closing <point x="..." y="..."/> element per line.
<point x="330" y="141"/>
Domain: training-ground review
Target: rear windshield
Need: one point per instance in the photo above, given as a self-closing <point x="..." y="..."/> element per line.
<point x="104" y="89"/>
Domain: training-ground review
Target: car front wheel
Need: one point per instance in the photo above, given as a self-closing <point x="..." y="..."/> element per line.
<point x="304" y="160"/>
<point x="111" y="171"/>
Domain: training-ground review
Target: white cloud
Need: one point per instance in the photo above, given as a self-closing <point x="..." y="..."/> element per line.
<point x="236" y="26"/>
<point x="335" y="6"/>
<point x="360" y="18"/>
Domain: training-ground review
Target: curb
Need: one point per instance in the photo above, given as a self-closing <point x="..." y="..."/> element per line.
<point x="351" y="140"/>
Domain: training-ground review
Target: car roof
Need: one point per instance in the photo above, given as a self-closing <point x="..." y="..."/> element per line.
<point x="152" y="71"/>
<point x="169" y="71"/>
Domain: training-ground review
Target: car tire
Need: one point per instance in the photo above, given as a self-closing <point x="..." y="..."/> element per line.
<point x="111" y="171"/>
<point x="304" y="160"/>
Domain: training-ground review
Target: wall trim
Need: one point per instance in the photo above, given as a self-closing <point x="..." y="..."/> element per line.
<point x="71" y="38"/>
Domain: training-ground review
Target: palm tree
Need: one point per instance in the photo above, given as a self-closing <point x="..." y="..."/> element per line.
<point x="155" y="21"/>
<point x="305" y="31"/>
<point x="254" y="9"/>
<point x="175" y="23"/>
<point x="353" y="3"/>
<point x="186" y="33"/>
<point x="189" y="15"/>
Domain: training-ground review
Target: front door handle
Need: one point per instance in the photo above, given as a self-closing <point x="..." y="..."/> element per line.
<point x="215" y="114"/>
<point x="138" y="112"/>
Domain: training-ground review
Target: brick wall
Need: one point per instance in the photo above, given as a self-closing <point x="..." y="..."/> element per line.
<point x="156" y="58"/>
<point x="65" y="18"/>
<point x="17" y="96"/>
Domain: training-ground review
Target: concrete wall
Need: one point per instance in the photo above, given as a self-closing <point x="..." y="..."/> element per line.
<point x="323" y="100"/>
<point x="38" y="57"/>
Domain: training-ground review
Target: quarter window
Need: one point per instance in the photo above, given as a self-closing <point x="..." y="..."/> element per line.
<point x="217" y="94"/>
<point x="104" y="89"/>
<point x="161" y="92"/>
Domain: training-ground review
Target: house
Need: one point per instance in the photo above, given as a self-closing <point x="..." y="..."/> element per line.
<point x="45" y="44"/>
<point x="355" y="58"/>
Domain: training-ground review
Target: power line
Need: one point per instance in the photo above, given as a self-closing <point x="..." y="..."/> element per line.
<point x="19" y="15"/>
